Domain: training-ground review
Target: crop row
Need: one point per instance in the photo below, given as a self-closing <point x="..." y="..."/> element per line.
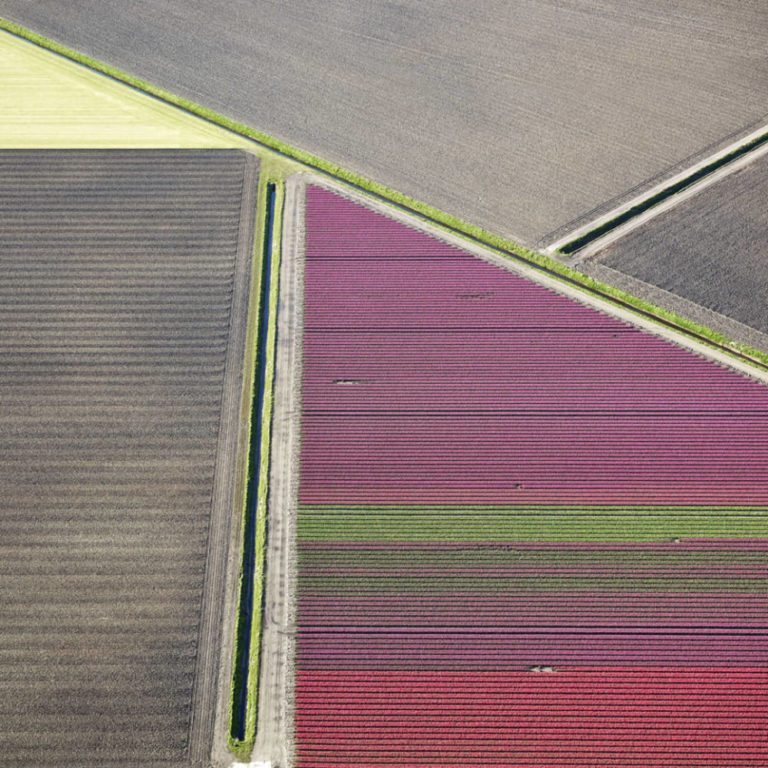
<point x="394" y="557"/>
<point x="460" y="647"/>
<point x="510" y="524"/>
<point x="701" y="587"/>
<point x="582" y="611"/>
<point x="122" y="320"/>
<point x="431" y="376"/>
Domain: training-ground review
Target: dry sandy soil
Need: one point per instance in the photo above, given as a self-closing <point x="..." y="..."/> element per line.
<point x="122" y="320"/>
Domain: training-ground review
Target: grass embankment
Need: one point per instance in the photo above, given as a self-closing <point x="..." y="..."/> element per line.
<point x="446" y="221"/>
<point x="579" y="242"/>
<point x="260" y="364"/>
<point x="550" y="523"/>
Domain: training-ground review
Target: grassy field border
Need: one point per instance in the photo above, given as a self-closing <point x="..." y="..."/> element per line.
<point x="242" y="748"/>
<point x="451" y="223"/>
<point x="249" y="386"/>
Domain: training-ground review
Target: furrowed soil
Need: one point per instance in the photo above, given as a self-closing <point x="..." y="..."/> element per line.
<point x="527" y="118"/>
<point x="122" y="317"/>
<point x="709" y="250"/>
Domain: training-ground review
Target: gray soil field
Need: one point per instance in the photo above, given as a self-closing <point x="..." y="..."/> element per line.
<point x="122" y="319"/>
<point x="526" y="118"/>
<point x="710" y="249"/>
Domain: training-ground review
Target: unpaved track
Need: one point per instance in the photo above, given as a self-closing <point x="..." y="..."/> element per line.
<point x="525" y="117"/>
<point x="274" y="735"/>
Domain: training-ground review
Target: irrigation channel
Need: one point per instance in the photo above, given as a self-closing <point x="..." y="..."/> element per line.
<point x="631" y="213"/>
<point x="245" y="604"/>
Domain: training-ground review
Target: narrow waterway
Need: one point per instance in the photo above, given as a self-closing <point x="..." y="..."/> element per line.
<point x="245" y="608"/>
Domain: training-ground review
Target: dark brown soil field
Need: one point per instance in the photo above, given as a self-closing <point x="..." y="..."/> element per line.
<point x="525" y="118"/>
<point x="709" y="249"/>
<point x="121" y="339"/>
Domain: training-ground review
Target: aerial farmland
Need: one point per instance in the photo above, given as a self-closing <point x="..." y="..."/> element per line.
<point x="383" y="384"/>
<point x="124" y="302"/>
<point x="523" y="118"/>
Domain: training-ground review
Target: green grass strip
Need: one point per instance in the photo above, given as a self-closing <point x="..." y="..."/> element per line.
<point x="667" y="192"/>
<point x="242" y="748"/>
<point x="450" y="223"/>
<point x="421" y="585"/>
<point x="543" y="524"/>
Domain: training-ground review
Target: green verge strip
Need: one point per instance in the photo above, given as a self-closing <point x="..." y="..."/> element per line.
<point x="376" y="586"/>
<point x="445" y="221"/>
<point x="531" y="524"/>
<point x="588" y="237"/>
<point x="247" y="652"/>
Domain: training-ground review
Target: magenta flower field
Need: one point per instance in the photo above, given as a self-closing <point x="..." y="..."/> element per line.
<point x="530" y="534"/>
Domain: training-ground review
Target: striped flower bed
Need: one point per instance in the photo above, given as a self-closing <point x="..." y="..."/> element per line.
<point x="529" y="533"/>
<point x="655" y="717"/>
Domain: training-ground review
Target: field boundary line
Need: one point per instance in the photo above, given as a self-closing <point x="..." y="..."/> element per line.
<point x="585" y="240"/>
<point x="265" y="463"/>
<point x="221" y="752"/>
<point x="468" y="232"/>
<point x="245" y="477"/>
<point x="275" y="725"/>
<point x="243" y="688"/>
